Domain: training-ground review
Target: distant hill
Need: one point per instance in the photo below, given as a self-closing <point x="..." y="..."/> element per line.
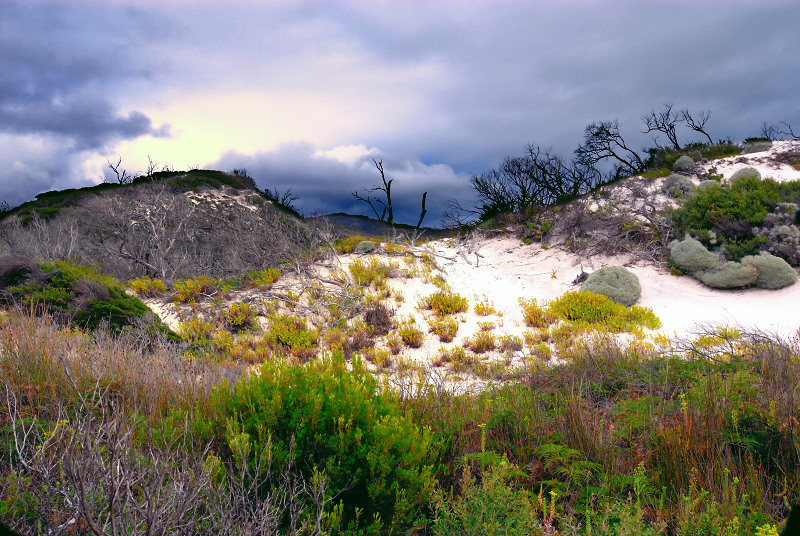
<point x="349" y="224"/>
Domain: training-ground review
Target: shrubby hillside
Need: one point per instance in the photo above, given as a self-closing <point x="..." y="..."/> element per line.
<point x="183" y="354"/>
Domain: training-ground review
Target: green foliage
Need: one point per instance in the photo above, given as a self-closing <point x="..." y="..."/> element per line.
<point x="535" y="315"/>
<point x="773" y="272"/>
<point x="492" y="508"/>
<point x="348" y="244"/>
<point x="481" y="342"/>
<point x="189" y="290"/>
<point x="377" y="460"/>
<point x="239" y="316"/>
<point x="372" y="271"/>
<point x="445" y="303"/>
<point x="617" y="283"/>
<point x="365" y="246"/>
<point x="684" y="164"/>
<point x="445" y="328"/>
<point x="147" y="287"/>
<point x="729" y="275"/>
<point x="80" y="294"/>
<point x="665" y="157"/>
<point x="597" y="310"/>
<point x="410" y="334"/>
<point x="291" y="334"/>
<point x="677" y="186"/>
<point x="756" y="145"/>
<point x="746" y="173"/>
<point x="730" y="211"/>
<point x="691" y="256"/>
<point x="263" y="279"/>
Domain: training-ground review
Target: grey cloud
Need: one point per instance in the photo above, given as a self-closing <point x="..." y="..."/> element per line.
<point x="58" y="66"/>
<point x="325" y="185"/>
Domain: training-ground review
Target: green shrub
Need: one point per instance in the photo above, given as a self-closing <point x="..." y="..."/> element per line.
<point x="491" y="508"/>
<point x="341" y="423"/>
<point x="199" y="287"/>
<point x="535" y="315"/>
<point x="684" y="164"/>
<point x="147" y="286"/>
<point x="239" y="316"/>
<point x="691" y="255"/>
<point x="372" y="271"/>
<point x="729" y="275"/>
<point x="348" y="245"/>
<point x="263" y="279"/>
<point x="617" y="283"/>
<point x="445" y="303"/>
<point x="597" y="310"/>
<point x="78" y="294"/>
<point x="677" y="186"/>
<point x="410" y="334"/>
<point x="757" y="146"/>
<point x="481" y="342"/>
<point x="365" y="246"/>
<point x="746" y="173"/>
<point x="773" y="272"/>
<point x="291" y="334"/>
<point x="445" y="328"/>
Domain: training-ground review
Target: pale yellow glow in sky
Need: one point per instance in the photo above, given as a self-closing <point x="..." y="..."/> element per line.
<point x="206" y="127"/>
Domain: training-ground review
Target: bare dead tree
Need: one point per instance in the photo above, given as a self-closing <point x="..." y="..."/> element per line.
<point x="286" y="198"/>
<point x="770" y="131"/>
<point x="151" y="166"/>
<point x="788" y="132"/>
<point x="123" y="177"/>
<point x="697" y="123"/>
<point x="539" y="178"/>
<point x="664" y="121"/>
<point x="602" y="141"/>
<point x="387" y="212"/>
<point x="416" y="234"/>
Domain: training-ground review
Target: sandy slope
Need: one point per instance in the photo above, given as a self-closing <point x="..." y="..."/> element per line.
<point x="501" y="270"/>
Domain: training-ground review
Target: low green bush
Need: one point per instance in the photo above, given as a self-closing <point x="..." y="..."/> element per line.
<point x="757" y="146"/>
<point x="617" y="283"/>
<point x="691" y="255"/>
<point x="445" y="303"/>
<point x="597" y="310"/>
<point x="365" y="246"/>
<point x="677" y="186"/>
<point x="773" y="272"/>
<point x="378" y="462"/>
<point x="684" y="164"/>
<point x="78" y="294"/>
<point x="746" y="173"/>
<point x="729" y="275"/>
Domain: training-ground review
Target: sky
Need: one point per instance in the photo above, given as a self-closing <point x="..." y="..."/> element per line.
<point x="304" y="95"/>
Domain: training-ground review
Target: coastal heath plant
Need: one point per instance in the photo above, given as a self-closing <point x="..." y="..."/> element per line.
<point x="379" y="463"/>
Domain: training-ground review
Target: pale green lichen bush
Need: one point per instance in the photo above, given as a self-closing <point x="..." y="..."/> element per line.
<point x="677" y="185"/>
<point x="691" y="256"/>
<point x="764" y="270"/>
<point x="757" y="146"/>
<point x="617" y="283"/>
<point x="773" y="272"/>
<point x="684" y="164"/>
<point x="746" y="173"/>
<point x="729" y="275"/>
<point x="365" y="246"/>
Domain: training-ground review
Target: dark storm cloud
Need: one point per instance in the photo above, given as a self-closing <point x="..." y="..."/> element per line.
<point x="325" y="184"/>
<point x="60" y="68"/>
<point x="476" y="81"/>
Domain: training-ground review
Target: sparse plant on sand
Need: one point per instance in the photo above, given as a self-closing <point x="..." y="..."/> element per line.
<point x="444" y="303"/>
<point x="444" y="327"/>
